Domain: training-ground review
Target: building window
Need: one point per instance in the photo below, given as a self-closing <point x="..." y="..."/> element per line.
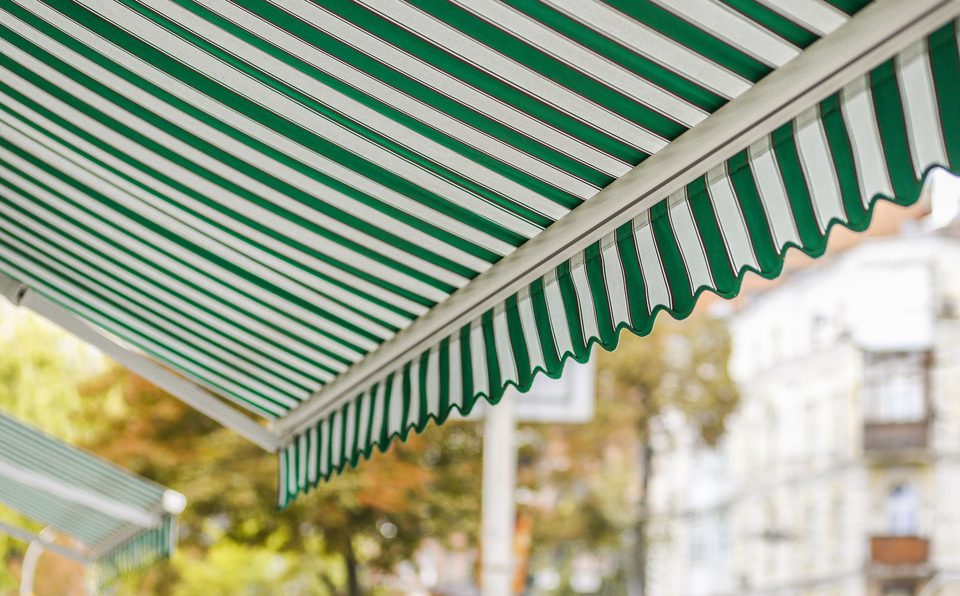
<point x="902" y="511"/>
<point x="894" y="387"/>
<point x="709" y="540"/>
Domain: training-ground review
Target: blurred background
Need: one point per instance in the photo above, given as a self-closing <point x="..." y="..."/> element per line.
<point x="803" y="438"/>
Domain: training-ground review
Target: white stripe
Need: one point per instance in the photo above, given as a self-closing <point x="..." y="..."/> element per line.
<point x="504" y="68"/>
<point x="615" y="283"/>
<point x="730" y="218"/>
<point x="505" y="349"/>
<point x="284" y="226"/>
<point x="650" y="43"/>
<point x="400" y="100"/>
<point x="585" y="60"/>
<point x="433" y="382"/>
<point x="336" y="440"/>
<point x="291" y="460"/>
<point x="557" y="314"/>
<point x="159" y="290"/>
<point x="437" y="79"/>
<point x="141" y="240"/>
<point x="359" y="112"/>
<point x="818" y="167"/>
<point x="379" y="416"/>
<point x="528" y="323"/>
<point x="773" y="193"/>
<point x="281" y="105"/>
<point x="413" y="413"/>
<point x="478" y="359"/>
<point x="815" y="15"/>
<point x="920" y="107"/>
<point x="396" y="405"/>
<point x="455" y="374"/>
<point x="326" y="437"/>
<point x="654" y="277"/>
<point x="362" y="443"/>
<point x="738" y="31"/>
<point x="581" y="286"/>
<point x="861" y="121"/>
<point x="312" y="455"/>
<point x="350" y="438"/>
<point x="302" y="451"/>
<point x="688" y="239"/>
<point x="284" y="492"/>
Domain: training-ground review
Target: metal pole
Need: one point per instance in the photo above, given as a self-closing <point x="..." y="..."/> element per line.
<point x="498" y="506"/>
<point x="183" y="389"/>
<point x="30" y="559"/>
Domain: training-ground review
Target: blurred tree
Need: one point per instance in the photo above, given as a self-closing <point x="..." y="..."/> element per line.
<point x="369" y="518"/>
<point x="591" y="480"/>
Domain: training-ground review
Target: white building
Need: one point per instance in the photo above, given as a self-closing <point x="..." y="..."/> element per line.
<point x="840" y="471"/>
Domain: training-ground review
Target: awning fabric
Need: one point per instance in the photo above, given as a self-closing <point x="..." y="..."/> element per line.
<point x="876" y="139"/>
<point x="263" y="197"/>
<point x="123" y="521"/>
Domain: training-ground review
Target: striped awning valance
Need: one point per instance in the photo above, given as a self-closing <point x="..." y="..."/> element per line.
<point x="119" y="521"/>
<point x="349" y="216"/>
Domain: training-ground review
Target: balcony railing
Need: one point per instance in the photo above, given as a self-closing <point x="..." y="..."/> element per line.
<point x="891" y="437"/>
<point x="899" y="550"/>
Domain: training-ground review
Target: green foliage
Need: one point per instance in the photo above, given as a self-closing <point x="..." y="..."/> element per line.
<point x="583" y="478"/>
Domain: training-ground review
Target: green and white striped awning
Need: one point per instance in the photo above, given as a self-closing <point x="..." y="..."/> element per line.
<point x="351" y="216"/>
<point x="118" y="520"/>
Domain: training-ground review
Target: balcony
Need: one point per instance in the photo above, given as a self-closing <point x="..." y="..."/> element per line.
<point x="899" y="550"/>
<point x="891" y="438"/>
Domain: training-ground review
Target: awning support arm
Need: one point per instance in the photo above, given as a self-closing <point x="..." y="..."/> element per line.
<point x="186" y="391"/>
<point x="28" y="536"/>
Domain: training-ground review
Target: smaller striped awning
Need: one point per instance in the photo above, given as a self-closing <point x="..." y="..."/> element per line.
<point x="119" y="521"/>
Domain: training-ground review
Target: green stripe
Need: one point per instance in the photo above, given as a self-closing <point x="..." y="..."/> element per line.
<point x="665" y="22"/>
<point x="466" y="370"/>
<point x="721" y="267"/>
<point x="748" y="197"/>
<point x="593" y="263"/>
<point x="518" y="342"/>
<point x="774" y="22"/>
<point x="632" y="275"/>
<point x="798" y="191"/>
<point x="494" y="374"/>
<point x="571" y="309"/>
<point x="541" y="314"/>
<point x="945" y="64"/>
<point x="675" y="270"/>
<point x="893" y="130"/>
<point x="841" y="152"/>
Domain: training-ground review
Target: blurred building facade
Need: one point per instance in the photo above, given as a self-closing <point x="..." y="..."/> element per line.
<point x="840" y="472"/>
